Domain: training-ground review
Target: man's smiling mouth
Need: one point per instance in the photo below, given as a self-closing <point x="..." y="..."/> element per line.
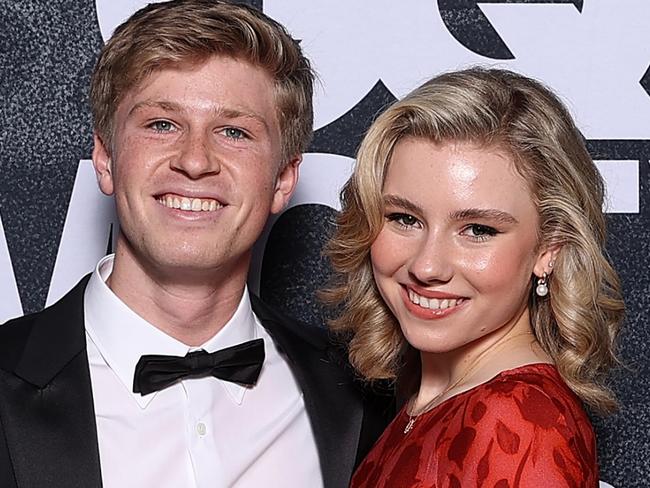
<point x="170" y="200"/>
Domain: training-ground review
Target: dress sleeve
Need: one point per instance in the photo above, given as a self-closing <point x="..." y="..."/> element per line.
<point x="516" y="434"/>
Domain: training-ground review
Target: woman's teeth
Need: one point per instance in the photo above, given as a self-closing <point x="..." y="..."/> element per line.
<point x="433" y="303"/>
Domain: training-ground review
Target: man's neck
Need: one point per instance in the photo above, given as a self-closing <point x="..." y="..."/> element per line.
<point x="188" y="305"/>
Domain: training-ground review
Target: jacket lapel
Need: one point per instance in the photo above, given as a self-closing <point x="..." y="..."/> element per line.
<point x="332" y="400"/>
<point x="46" y="405"/>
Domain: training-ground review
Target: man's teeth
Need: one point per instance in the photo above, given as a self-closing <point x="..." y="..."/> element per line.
<point x="190" y="204"/>
<point x="433" y="303"/>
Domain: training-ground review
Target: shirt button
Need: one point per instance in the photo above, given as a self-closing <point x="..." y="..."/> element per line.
<point x="201" y="429"/>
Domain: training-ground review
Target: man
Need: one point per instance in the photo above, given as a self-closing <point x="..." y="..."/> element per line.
<point x="202" y="110"/>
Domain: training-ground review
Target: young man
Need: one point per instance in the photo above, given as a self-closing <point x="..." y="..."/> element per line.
<point x="159" y="369"/>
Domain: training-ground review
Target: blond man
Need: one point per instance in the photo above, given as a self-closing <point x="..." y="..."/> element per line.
<point x="159" y="369"/>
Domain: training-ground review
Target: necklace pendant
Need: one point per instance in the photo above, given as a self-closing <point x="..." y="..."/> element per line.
<point x="409" y="425"/>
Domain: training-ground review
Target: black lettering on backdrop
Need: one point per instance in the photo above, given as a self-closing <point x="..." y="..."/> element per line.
<point x="258" y="4"/>
<point x="46" y="129"/>
<point x="645" y="81"/>
<point x="468" y="24"/>
<point x="343" y="135"/>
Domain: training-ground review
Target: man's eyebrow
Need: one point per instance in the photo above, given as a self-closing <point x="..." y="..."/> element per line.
<point x="228" y="113"/>
<point x="163" y="104"/>
<point x="233" y="113"/>
<point x="397" y="201"/>
<point x="483" y="214"/>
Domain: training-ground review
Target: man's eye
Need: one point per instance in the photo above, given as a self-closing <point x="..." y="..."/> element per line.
<point x="162" y="126"/>
<point x="234" y="133"/>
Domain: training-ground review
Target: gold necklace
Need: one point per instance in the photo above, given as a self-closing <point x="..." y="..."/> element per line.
<point x="414" y="416"/>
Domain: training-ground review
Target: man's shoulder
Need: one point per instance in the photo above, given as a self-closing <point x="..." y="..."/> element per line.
<point x="308" y="339"/>
<point x="278" y="322"/>
<point x="16" y="333"/>
<point x="13" y="337"/>
<point x="317" y="341"/>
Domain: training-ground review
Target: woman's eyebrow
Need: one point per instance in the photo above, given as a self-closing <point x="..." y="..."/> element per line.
<point x="483" y="214"/>
<point x="397" y="201"/>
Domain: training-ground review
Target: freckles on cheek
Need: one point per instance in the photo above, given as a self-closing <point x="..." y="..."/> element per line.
<point x="136" y="152"/>
<point x="482" y="264"/>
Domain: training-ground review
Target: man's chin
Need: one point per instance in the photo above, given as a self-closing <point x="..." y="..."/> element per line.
<point x="197" y="266"/>
<point x="175" y="259"/>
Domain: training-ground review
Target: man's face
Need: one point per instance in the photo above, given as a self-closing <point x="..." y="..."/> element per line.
<point x="194" y="165"/>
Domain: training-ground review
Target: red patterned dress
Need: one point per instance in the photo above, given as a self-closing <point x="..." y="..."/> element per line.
<point x="523" y="428"/>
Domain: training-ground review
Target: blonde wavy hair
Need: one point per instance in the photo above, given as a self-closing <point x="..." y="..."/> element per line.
<point x="578" y="322"/>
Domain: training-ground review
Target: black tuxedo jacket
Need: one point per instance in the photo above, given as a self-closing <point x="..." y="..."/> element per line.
<point x="48" y="436"/>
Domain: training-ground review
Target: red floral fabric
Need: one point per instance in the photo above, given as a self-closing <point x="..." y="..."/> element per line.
<point x="523" y="428"/>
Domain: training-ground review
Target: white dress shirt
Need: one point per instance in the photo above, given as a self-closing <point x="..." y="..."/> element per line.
<point x="199" y="432"/>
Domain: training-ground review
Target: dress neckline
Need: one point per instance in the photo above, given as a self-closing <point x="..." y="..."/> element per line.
<point x="536" y="366"/>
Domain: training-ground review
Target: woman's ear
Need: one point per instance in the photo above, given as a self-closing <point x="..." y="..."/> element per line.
<point x="546" y="260"/>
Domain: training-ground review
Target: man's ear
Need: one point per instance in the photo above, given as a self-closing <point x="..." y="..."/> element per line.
<point x="285" y="184"/>
<point x="103" y="166"/>
<point x="546" y="259"/>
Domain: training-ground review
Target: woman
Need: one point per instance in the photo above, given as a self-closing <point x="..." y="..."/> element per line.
<point x="470" y="251"/>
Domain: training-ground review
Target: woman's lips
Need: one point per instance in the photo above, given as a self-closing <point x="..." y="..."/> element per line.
<point x="432" y="305"/>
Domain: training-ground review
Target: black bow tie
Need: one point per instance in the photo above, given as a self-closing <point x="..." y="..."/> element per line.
<point x="240" y="364"/>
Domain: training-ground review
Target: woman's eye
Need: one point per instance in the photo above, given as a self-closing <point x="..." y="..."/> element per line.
<point x="234" y="133"/>
<point x="162" y="126"/>
<point x="480" y="232"/>
<point x="403" y="220"/>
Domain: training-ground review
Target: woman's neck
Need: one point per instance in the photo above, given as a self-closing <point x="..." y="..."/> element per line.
<point x="446" y="374"/>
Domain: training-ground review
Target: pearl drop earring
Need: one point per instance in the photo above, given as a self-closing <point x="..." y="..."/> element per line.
<point x="542" y="287"/>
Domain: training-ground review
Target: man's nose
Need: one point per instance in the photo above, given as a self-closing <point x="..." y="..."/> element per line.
<point x="197" y="157"/>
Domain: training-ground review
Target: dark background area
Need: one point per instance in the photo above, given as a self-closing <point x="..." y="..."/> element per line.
<point x="47" y="50"/>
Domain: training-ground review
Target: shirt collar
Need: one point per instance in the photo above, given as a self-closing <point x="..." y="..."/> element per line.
<point x="122" y="336"/>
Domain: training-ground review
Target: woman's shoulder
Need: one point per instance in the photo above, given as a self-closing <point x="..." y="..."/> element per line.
<point x="524" y="424"/>
<point x="524" y="427"/>
<point x="535" y="394"/>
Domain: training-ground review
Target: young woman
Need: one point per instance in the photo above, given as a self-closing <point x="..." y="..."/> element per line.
<point x="470" y="251"/>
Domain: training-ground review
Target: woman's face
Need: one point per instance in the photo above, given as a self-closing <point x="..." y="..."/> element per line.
<point x="455" y="256"/>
